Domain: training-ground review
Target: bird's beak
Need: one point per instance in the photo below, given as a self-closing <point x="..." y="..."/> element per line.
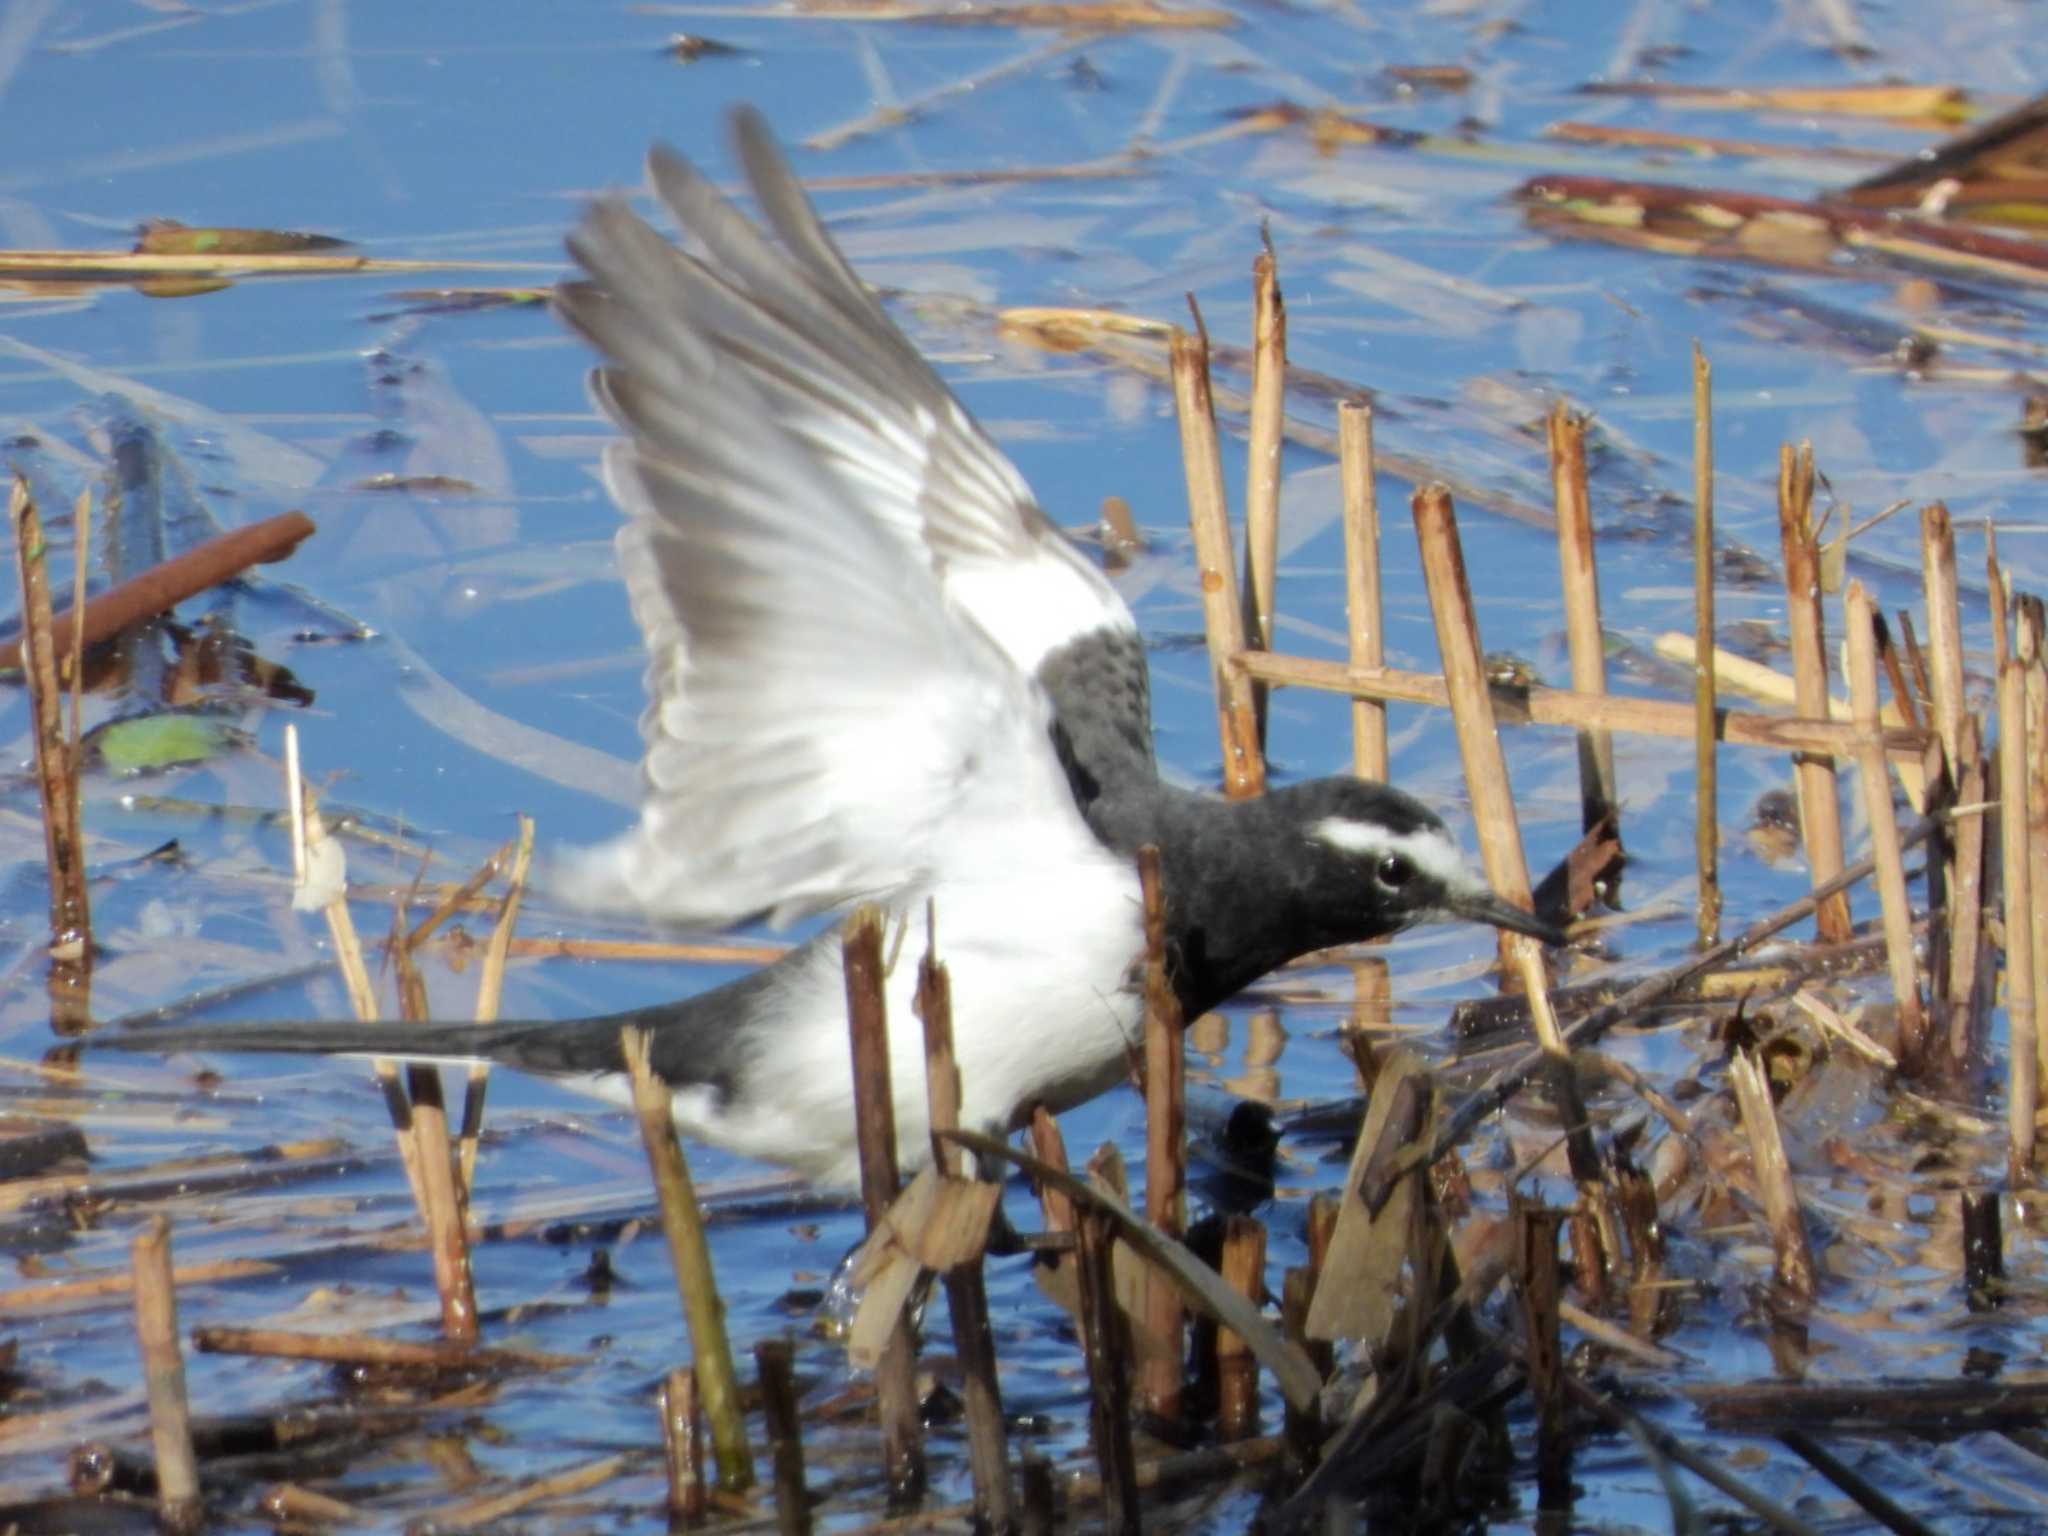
<point x="1483" y="906"/>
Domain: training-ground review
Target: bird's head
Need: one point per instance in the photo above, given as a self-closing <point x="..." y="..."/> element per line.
<point x="1390" y="851"/>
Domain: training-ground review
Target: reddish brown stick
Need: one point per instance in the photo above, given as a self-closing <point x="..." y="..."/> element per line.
<point x="163" y="587"/>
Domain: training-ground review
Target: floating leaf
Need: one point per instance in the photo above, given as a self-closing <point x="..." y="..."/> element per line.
<point x="151" y="743"/>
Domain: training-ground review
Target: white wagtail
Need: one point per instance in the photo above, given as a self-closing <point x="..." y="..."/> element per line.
<point x="878" y="672"/>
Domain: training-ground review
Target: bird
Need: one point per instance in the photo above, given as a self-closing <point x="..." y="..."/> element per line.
<point x="879" y="672"/>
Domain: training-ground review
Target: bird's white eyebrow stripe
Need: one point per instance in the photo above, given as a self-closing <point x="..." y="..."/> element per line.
<point x="1427" y="849"/>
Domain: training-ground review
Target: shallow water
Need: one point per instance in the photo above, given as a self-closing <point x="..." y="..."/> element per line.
<point x="473" y="134"/>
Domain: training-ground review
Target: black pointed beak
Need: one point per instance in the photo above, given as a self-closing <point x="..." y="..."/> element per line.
<point x="1485" y="907"/>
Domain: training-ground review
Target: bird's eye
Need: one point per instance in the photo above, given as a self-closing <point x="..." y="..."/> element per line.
<point x="1395" y="871"/>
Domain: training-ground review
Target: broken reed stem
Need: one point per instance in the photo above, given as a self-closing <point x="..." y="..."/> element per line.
<point x="682" y="1222"/>
<point x="1706" y="766"/>
<point x="1516" y="705"/>
<point x="320" y="879"/>
<point x="1543" y="1356"/>
<point x="56" y="755"/>
<point x="785" y="1430"/>
<point x="1457" y="636"/>
<point x="1357" y="476"/>
<point x="447" y="1231"/>
<point x="1773" y="1175"/>
<point x="988" y="1449"/>
<point x="1493" y="805"/>
<point x="1580" y="575"/>
<point x="874" y="1105"/>
<point x="163" y="587"/>
<point x="682" y="1445"/>
<point x="163" y="1374"/>
<point x="1509" y="1080"/>
<point x="1968" y="963"/>
<point x="490" y="995"/>
<point x="1050" y="1148"/>
<point x="1820" y="811"/>
<point x="1944" y="630"/>
<point x="1109" y="1400"/>
<point x="479" y="1512"/>
<point x="1884" y="827"/>
<point x="369" y="1349"/>
<point x="1237" y="1369"/>
<point x="1159" y="1364"/>
<point x="1244" y="766"/>
<point x="2022" y="1022"/>
<point x="1262" y="479"/>
<point x="2028" y="656"/>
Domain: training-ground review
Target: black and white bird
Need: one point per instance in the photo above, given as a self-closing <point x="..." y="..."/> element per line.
<point x="878" y="672"/>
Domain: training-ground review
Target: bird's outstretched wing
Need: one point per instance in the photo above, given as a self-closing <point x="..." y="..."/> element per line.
<point x="845" y="588"/>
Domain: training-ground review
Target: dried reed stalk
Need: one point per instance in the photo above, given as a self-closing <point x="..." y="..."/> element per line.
<point x="988" y="1455"/>
<point x="1944" y="630"/>
<point x="1541" y="1292"/>
<point x="56" y="753"/>
<point x="1264" y="429"/>
<point x="1706" y="764"/>
<point x="785" y="1430"/>
<point x="472" y="1513"/>
<point x="1357" y="474"/>
<point x="163" y="587"/>
<point x="1237" y="1368"/>
<point x="368" y="1349"/>
<point x="875" y="1119"/>
<point x="1579" y="571"/>
<point x="1773" y="1176"/>
<point x="682" y="1444"/>
<point x="2022" y="1022"/>
<point x="1884" y="827"/>
<point x="2028" y="655"/>
<point x="1820" y="810"/>
<point x="1244" y="766"/>
<point x="690" y="1253"/>
<point x="1056" y="1207"/>
<point x="1969" y="969"/>
<point x="163" y="1375"/>
<point x="1159" y="1362"/>
<point x="490" y="994"/>
<point x="1108" y="1351"/>
<point x="1560" y="706"/>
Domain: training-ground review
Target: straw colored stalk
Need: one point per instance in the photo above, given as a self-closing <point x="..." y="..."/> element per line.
<point x="1362" y="580"/>
<point x="163" y="1374"/>
<point x="1968" y="957"/>
<point x="472" y="1513"/>
<point x="1773" y="1175"/>
<point x="2029" y="656"/>
<point x="1103" y="1337"/>
<point x="2022" y="1023"/>
<point x="1820" y="811"/>
<point x="1244" y="767"/>
<point x="1706" y="765"/>
<point x="1884" y="826"/>
<point x="56" y="753"/>
<point x="875" y="1121"/>
<point x="1159" y="1362"/>
<point x="966" y="1291"/>
<point x="370" y="1349"/>
<point x="490" y="994"/>
<point x="1237" y="1368"/>
<point x="1268" y="414"/>
<point x="1581" y="711"/>
<point x="690" y="1253"/>
<point x="682" y="1444"/>
<point x="1580" y="574"/>
<point x="1944" y="630"/>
